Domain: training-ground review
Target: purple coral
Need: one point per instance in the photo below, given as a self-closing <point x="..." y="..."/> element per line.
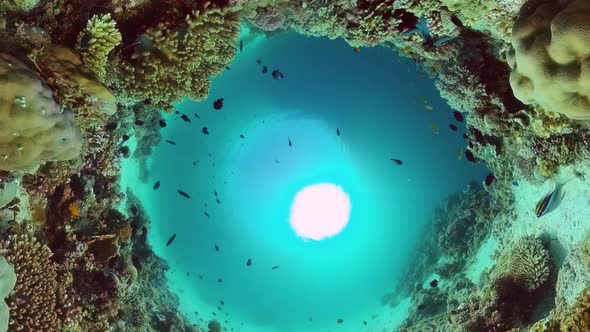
<point x="269" y="19"/>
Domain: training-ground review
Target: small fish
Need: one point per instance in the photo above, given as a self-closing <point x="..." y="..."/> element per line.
<point x="241" y="45"/>
<point x="170" y="142"/>
<point x="434" y="283"/>
<point x="453" y="127"/>
<point x="241" y="136"/>
<point x="147" y="101"/>
<point x="460" y="154"/>
<point x="456" y="21"/>
<point x="162" y="123"/>
<point x="551" y="200"/>
<point x="396" y="161"/>
<point x="276" y="74"/>
<point x="215" y="192"/>
<point x="259" y="62"/>
<point x="221" y="302"/>
<point x="216" y="247"/>
<point x="489" y="198"/>
<point x="156" y="185"/>
<point x="274" y="267"/>
<point x="219" y="280"/>
<point x="428" y="107"/>
<point x="515" y="183"/>
<point x="218" y="103"/>
<point x="228" y="68"/>
<point x="171" y="239"/>
<point x="458" y="116"/>
<point x="195" y="163"/>
<point x="365" y="322"/>
<point x="200" y="277"/>
<point x="357" y="49"/>
<point x="197" y="116"/>
<point x="276" y="161"/>
<point x="183" y="194"/>
<point x="489" y="179"/>
<point x="469" y="156"/>
<point x="290" y="144"/>
<point x="206" y="214"/>
<point x="310" y="318"/>
<point x="185" y="118"/>
<point x="249" y="262"/>
<point x="139" y="122"/>
<point x="434" y="128"/>
<point x="465" y="136"/>
<point x="264" y="69"/>
<point x="218" y="201"/>
<point x="340" y="321"/>
<point x="111" y="126"/>
<point x="337" y="132"/>
<point x="125" y="137"/>
<point x="205" y="131"/>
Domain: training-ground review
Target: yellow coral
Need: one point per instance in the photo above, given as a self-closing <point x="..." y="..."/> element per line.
<point x="547" y="167"/>
<point x="33" y="300"/>
<point x="546" y="124"/>
<point x="550" y="56"/>
<point x="170" y="64"/>
<point x="96" y="42"/>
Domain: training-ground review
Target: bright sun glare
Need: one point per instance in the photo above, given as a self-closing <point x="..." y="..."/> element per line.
<point x="320" y="211"/>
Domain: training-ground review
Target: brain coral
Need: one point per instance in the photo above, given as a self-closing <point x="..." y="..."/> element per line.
<point x="526" y="261"/>
<point x="34" y="128"/>
<point x="550" y="59"/>
<point x="33" y="300"/>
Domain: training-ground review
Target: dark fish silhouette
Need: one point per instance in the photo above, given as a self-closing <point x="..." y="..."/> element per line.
<point x="216" y="248"/>
<point x="453" y="127"/>
<point x="215" y="192"/>
<point x="206" y="214"/>
<point x="469" y="156"/>
<point x="219" y="280"/>
<point x="156" y="185"/>
<point x="259" y="61"/>
<point x="241" y="45"/>
<point x="139" y="122"/>
<point x="195" y="163"/>
<point x="111" y="126"/>
<point x="275" y="267"/>
<point x="147" y="101"/>
<point x="221" y="302"/>
<point x="125" y="137"/>
<point x="228" y="68"/>
<point x="465" y="136"/>
<point x="340" y="321"/>
<point x="337" y="132"/>
<point x="183" y="194"/>
<point x="290" y="144"/>
<point x="276" y="74"/>
<point x="162" y="123"/>
<point x="241" y="136"/>
<point x="276" y="161"/>
<point x="365" y="322"/>
<point x="396" y="161"/>
<point x="218" y="103"/>
<point x="185" y="118"/>
<point x="197" y="116"/>
<point x="218" y="201"/>
<point x="171" y="239"/>
<point x="249" y="262"/>
<point x="458" y="116"/>
<point x="489" y="179"/>
<point x="264" y="69"/>
<point x="170" y="142"/>
<point x="205" y="131"/>
<point x="434" y="283"/>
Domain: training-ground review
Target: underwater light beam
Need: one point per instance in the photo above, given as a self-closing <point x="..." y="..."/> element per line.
<point x="320" y="211"/>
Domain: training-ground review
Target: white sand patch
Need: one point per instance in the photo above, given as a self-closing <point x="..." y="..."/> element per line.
<point x="483" y="260"/>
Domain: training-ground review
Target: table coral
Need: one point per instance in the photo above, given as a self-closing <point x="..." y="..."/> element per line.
<point x="96" y="42"/>
<point x="550" y="55"/>
<point x="171" y="63"/>
<point x="35" y="128"/>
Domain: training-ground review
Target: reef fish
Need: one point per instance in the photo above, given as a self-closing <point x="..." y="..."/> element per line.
<point x="264" y="69"/>
<point x="249" y="262"/>
<point x="171" y="239"/>
<point x="241" y="136"/>
<point x="170" y="142"/>
<point x="453" y="127"/>
<point x="125" y="137"/>
<point x="551" y="200"/>
<point x="259" y="62"/>
<point x="275" y="267"/>
<point x="458" y="116"/>
<point x="185" y="118"/>
<point x="357" y="49"/>
<point x="183" y="194"/>
<point x="459" y="154"/>
<point x="290" y="144"/>
<point x="340" y="321"/>
<point x="241" y="45"/>
<point x="206" y="214"/>
<point x="156" y="185"/>
<point x="162" y="123"/>
<point x="111" y="126"/>
<point x="469" y="156"/>
<point x="489" y="179"/>
<point x="216" y="248"/>
<point x="396" y="161"/>
<point x="276" y="74"/>
<point x="515" y="183"/>
<point x="337" y="132"/>
<point x="205" y="130"/>
<point x="197" y="116"/>
<point x="434" y="283"/>
<point x="218" y="103"/>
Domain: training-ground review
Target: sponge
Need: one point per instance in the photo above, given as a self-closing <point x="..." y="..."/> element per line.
<point x="7" y="282"/>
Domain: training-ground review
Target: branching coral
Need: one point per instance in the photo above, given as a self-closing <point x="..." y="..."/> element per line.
<point x="550" y="55"/>
<point x="96" y="42"/>
<point x="527" y="262"/>
<point x="33" y="300"/>
<point x="17" y="5"/>
<point x="170" y="63"/>
<point x="268" y="19"/>
<point x="35" y="129"/>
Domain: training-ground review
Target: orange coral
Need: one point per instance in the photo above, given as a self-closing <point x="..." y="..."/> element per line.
<point x="74" y="210"/>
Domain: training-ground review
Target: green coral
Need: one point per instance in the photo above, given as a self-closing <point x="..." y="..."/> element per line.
<point x="96" y="42"/>
<point x="171" y="63"/>
<point x="17" y="5"/>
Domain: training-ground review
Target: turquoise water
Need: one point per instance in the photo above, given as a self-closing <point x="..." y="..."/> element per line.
<point x="376" y="100"/>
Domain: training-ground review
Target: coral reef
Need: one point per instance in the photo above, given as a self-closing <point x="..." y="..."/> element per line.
<point x="96" y="42"/>
<point x="17" y="5"/>
<point x="35" y="129"/>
